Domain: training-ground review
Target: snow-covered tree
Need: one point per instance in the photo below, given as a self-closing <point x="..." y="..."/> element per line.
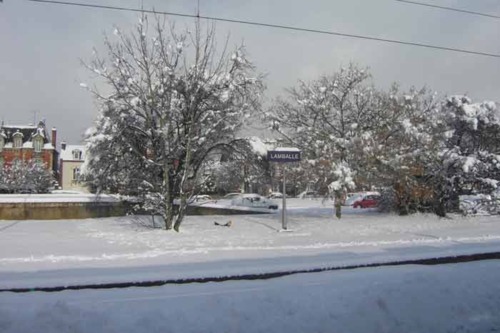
<point x="328" y="119"/>
<point x="174" y="100"/>
<point x="407" y="137"/>
<point x="469" y="159"/>
<point x="26" y="176"/>
<point x="430" y="151"/>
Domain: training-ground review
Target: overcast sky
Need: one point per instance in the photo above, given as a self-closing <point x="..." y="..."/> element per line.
<point x="41" y="46"/>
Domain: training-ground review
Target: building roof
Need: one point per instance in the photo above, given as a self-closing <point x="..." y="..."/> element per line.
<point x="27" y="133"/>
<point x="67" y="153"/>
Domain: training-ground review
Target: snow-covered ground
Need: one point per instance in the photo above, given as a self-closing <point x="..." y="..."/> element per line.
<point x="447" y="298"/>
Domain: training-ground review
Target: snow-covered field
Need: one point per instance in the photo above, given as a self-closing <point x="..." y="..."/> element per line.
<point x="448" y="298"/>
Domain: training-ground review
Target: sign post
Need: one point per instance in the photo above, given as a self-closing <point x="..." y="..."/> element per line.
<point x="284" y="155"/>
<point x="283" y="211"/>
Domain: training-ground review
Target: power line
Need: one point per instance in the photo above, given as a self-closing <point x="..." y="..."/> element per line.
<point x="448" y="8"/>
<point x="270" y="25"/>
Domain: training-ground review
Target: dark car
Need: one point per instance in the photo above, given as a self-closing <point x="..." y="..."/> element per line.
<point x="367" y="201"/>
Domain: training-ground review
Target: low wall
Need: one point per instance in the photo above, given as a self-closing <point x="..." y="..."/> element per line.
<point x="91" y="209"/>
<point x="59" y="210"/>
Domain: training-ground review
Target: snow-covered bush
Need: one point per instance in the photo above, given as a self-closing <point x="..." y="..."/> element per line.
<point x="434" y="151"/>
<point x="25" y="177"/>
<point x="468" y="159"/>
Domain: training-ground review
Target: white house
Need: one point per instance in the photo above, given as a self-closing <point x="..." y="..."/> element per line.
<point x="70" y="161"/>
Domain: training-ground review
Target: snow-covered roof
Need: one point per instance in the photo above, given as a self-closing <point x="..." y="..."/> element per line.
<point x="67" y="153"/>
<point x="250" y="195"/>
<point x="27" y="132"/>
<point x="287" y="149"/>
<point x="19" y="127"/>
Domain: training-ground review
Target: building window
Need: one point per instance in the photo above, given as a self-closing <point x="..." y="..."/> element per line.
<point x="38" y="144"/>
<point x="18" y="140"/>
<point x="77" y="154"/>
<point x="76" y="174"/>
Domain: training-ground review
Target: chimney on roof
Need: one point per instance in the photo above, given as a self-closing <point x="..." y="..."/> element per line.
<point x="63" y="145"/>
<point x="54" y="136"/>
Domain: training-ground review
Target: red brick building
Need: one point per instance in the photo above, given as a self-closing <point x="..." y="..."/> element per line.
<point x="24" y="143"/>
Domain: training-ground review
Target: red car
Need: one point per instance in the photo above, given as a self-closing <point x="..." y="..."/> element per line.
<point x="368" y="201"/>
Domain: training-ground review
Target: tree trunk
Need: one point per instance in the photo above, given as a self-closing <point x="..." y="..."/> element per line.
<point x="169" y="218"/>
<point x="185" y="170"/>
<point x="440" y="209"/>
<point x="181" y="213"/>
<point x="338" y="205"/>
<point x="440" y="203"/>
<point x="338" y="210"/>
<point x="440" y="198"/>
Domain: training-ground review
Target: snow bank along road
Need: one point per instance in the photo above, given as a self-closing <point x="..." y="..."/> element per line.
<point x="410" y="299"/>
<point x="260" y="276"/>
<point x="127" y="249"/>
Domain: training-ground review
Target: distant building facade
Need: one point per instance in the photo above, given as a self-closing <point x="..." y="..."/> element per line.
<point x="70" y="163"/>
<point x="26" y="143"/>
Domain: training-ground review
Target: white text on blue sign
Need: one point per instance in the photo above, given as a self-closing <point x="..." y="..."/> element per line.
<point x="283" y="156"/>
